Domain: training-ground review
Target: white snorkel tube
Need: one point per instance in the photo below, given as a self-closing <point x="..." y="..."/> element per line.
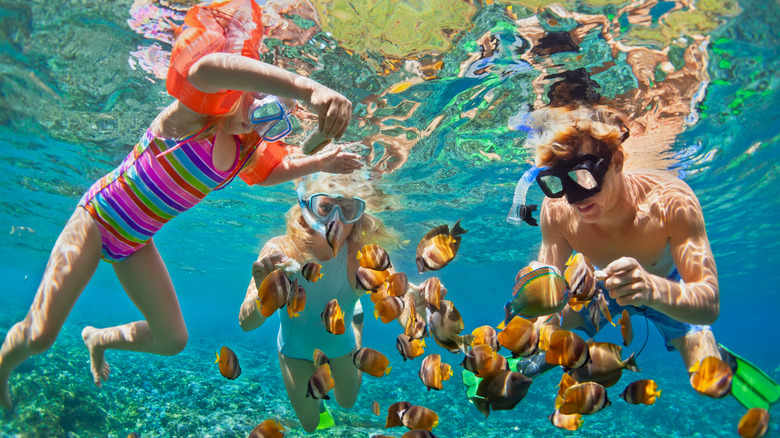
<point x="315" y="225"/>
<point x="520" y="212"/>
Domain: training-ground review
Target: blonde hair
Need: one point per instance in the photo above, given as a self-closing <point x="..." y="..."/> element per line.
<point x="560" y="131"/>
<point x="368" y="229"/>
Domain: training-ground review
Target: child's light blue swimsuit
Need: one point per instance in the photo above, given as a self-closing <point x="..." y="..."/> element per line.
<point x="669" y="327"/>
<point x="300" y="336"/>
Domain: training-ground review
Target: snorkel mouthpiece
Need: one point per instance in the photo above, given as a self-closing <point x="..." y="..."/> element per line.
<point x="520" y="212"/>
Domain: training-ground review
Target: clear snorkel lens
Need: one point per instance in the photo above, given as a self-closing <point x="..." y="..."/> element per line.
<point x="520" y="212"/>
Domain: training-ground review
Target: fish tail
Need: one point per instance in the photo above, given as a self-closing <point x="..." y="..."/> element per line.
<point x="481" y="404"/>
<point x="457" y="229"/>
<point x="387" y="370"/>
<point x="658" y="393"/>
<point x="631" y="363"/>
<point x="216" y="361"/>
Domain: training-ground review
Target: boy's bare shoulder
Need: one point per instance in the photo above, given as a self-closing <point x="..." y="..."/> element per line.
<point x="664" y="193"/>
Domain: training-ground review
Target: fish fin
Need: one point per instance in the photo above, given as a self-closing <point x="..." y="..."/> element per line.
<point x="457" y="229"/>
<point x="501" y="326"/>
<point x="359" y="255"/>
<point x="482" y="405"/>
<point x="631" y="363"/>
<point x="695" y="367"/>
<point x="376" y="314"/>
<point x="216" y="361"/>
<point x="387" y="370"/>
<point x="658" y="393"/>
<point x="422" y="343"/>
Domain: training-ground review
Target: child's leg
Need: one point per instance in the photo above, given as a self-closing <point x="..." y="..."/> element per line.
<point x="696" y="346"/>
<point x="296" y="374"/>
<point x="71" y="264"/>
<point x="347" y="378"/>
<point x="147" y="282"/>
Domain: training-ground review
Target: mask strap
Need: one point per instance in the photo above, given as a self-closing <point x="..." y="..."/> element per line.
<point x="520" y="212"/>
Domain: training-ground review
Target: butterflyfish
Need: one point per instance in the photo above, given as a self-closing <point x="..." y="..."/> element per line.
<point x="544" y="335"/>
<point x="519" y="336"/>
<point x="369" y="279"/>
<point x="375" y="408"/>
<point x="485" y="335"/>
<point x="311" y="271"/>
<point x="606" y="364"/>
<point x="409" y="348"/>
<point x="625" y="328"/>
<point x="371" y="362"/>
<point x="296" y="301"/>
<point x="319" y="358"/>
<point x="320" y="383"/>
<point x="393" y="417"/>
<point x="754" y="423"/>
<point x="579" y="275"/>
<point x="273" y="292"/>
<point x="567" y="422"/>
<point x="414" y="325"/>
<point x="500" y="391"/>
<point x="228" y="363"/>
<point x="540" y="292"/>
<point x="377" y="294"/>
<point x="479" y="360"/>
<point x="711" y="377"/>
<point x="567" y="381"/>
<point x="267" y="429"/>
<point x="643" y="391"/>
<point x="333" y="318"/>
<point x="373" y="257"/>
<point x="568" y="350"/>
<point x="388" y="309"/>
<point x="445" y="325"/>
<point x="334" y="235"/>
<point x="419" y="417"/>
<point x="432" y="291"/>
<point x="397" y="284"/>
<point x="438" y="247"/>
<point x="584" y="398"/>
<point x="433" y="372"/>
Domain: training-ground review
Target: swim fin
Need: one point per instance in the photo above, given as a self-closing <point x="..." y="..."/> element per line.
<point x="750" y="386"/>
<point x="515" y="364"/>
<point x="326" y="420"/>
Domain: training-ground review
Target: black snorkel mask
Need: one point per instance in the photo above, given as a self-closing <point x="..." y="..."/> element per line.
<point x="578" y="178"/>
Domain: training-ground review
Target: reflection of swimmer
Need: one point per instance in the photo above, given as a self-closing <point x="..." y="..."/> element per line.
<point x="331" y="198"/>
<point x="224" y="122"/>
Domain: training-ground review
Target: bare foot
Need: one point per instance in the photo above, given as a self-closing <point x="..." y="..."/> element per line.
<point x="97" y="362"/>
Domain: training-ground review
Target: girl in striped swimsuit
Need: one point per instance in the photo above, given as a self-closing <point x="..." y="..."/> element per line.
<point x="167" y="173"/>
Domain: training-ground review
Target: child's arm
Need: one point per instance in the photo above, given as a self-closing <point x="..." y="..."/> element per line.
<point x="330" y="161"/>
<point x="248" y="316"/>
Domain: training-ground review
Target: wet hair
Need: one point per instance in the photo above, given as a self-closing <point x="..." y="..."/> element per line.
<point x="559" y="132"/>
<point x="573" y="86"/>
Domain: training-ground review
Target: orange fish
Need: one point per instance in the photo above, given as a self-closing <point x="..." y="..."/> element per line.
<point x="500" y="391"/>
<point x="334" y="235"/>
<point x="296" y="301"/>
<point x="606" y="364"/>
<point x="311" y="271"/>
<point x="408" y="348"/>
<point x="397" y="284"/>
<point x="228" y="363"/>
<point x="643" y="391"/>
<point x="388" y="309"/>
<point x="414" y="326"/>
<point x="584" y="398"/>
<point x="333" y="318"/>
<point x="373" y="257"/>
<point x="579" y="275"/>
<point x="711" y="377"/>
<point x="267" y="429"/>
<point x="480" y="360"/>
<point x="371" y="362"/>
<point x="567" y="422"/>
<point x="432" y="291"/>
<point x="540" y="292"/>
<point x="485" y="335"/>
<point x="369" y="279"/>
<point x="438" y="247"/>
<point x="567" y="381"/>
<point x="379" y="293"/>
<point x="433" y="372"/>
<point x="273" y="292"/>
<point x="519" y="336"/>
<point x="544" y="335"/>
<point x="393" y="417"/>
<point x="319" y="358"/>
<point x="625" y="328"/>
<point x="419" y="417"/>
<point x="754" y="423"/>
<point x="320" y="383"/>
<point x="375" y="408"/>
<point x="568" y="350"/>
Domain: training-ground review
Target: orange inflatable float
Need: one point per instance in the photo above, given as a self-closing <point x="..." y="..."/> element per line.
<point x="232" y="26"/>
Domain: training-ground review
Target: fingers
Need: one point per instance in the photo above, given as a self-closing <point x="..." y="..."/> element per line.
<point x="334" y="116"/>
<point x="620" y="265"/>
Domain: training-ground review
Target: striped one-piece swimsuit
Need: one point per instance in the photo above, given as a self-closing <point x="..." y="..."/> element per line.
<point x="148" y="189"/>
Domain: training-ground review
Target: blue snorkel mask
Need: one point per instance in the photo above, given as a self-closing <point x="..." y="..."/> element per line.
<point x="269" y="117"/>
<point x="321" y="208"/>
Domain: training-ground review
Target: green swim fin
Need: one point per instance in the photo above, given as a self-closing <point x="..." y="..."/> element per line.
<point x="472" y="381"/>
<point x="750" y="386"/>
<point x="326" y="420"/>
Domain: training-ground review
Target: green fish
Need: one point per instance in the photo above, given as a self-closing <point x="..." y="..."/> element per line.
<point x="539" y="292"/>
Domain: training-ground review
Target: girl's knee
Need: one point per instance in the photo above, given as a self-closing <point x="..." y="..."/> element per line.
<point x="175" y="342"/>
<point x="39" y="339"/>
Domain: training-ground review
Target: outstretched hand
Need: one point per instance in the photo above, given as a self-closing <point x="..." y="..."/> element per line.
<point x="333" y="111"/>
<point x="266" y="264"/>
<point x="628" y="282"/>
<point x="337" y="161"/>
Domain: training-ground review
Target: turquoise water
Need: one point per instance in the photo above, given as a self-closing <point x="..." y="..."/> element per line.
<point x="79" y="85"/>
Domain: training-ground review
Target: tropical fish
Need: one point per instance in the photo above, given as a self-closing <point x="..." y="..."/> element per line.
<point x="320" y="383"/>
<point x="397" y="284"/>
<point x="567" y="422"/>
<point x="267" y="429"/>
<point x="485" y="335"/>
<point x="479" y="360"/>
<point x="419" y="417"/>
<point x="711" y="377"/>
<point x="333" y="318"/>
<point x="567" y="381"/>
<point x="754" y="423"/>
<point x="369" y="279"/>
<point x="519" y="336"/>
<point x="542" y="291"/>
<point x="375" y="408"/>
<point x="606" y="364"/>
<point x="568" y="350"/>
<point x="501" y="390"/>
<point x="408" y="347"/>
<point x="418" y="433"/>
<point x="601" y="300"/>
<point x="445" y="325"/>
<point x="438" y="247"/>
<point x="377" y="294"/>
<point x="371" y="362"/>
<point x="584" y="398"/>
<point x="273" y="292"/>
<point x="625" y="328"/>
<point x="413" y="324"/>
<point x="579" y="276"/>
<point x="388" y="309"/>
<point x="433" y="372"/>
<point x="373" y="257"/>
<point x="432" y="291"/>
<point x="544" y="335"/>
<point x="643" y="391"/>
<point x="296" y="301"/>
<point x="393" y="417"/>
<point x="311" y="271"/>
<point x="334" y="235"/>
<point x="228" y="363"/>
<point x="319" y="358"/>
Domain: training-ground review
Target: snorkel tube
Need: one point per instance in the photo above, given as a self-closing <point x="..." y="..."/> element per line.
<point x="520" y="212"/>
<point x="315" y="225"/>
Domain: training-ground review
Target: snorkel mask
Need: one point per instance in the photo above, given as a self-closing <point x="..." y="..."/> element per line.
<point x="578" y="178"/>
<point x="269" y="117"/>
<point x="321" y="208"/>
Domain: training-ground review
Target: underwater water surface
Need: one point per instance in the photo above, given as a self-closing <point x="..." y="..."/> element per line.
<point x="440" y="89"/>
